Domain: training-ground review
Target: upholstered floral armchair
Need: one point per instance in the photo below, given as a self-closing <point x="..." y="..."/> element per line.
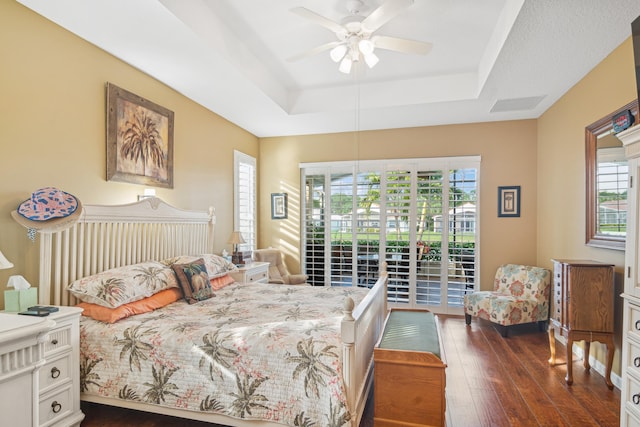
<point x="520" y="295"/>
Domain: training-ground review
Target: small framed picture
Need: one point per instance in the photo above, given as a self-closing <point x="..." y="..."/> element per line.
<point x="278" y="205"/>
<point x="509" y="201"/>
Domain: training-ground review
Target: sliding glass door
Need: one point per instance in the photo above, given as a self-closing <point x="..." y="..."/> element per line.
<point x="418" y="216"/>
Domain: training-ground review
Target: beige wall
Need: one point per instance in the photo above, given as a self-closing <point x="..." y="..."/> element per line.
<point x="508" y="151"/>
<point x="52" y="132"/>
<point x="561" y="156"/>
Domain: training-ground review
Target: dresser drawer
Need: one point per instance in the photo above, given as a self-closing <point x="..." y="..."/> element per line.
<point x="629" y="419"/>
<point x="59" y="340"/>
<point x="55" y="371"/>
<point x="633" y="327"/>
<point x="56" y="405"/>
<point x="557" y="302"/>
<point x="257" y="276"/>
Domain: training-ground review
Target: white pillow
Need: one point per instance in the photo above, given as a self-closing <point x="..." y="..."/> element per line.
<point x="123" y="285"/>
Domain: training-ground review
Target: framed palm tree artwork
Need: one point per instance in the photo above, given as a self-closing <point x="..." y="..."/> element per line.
<point x="139" y="139"/>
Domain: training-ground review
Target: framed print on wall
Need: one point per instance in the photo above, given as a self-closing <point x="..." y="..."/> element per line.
<point x="278" y="205"/>
<point x="139" y="139"/>
<point x="509" y="201"/>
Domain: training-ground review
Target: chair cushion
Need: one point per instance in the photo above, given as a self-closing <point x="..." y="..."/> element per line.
<point x="504" y="309"/>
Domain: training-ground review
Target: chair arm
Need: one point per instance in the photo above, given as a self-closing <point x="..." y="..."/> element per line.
<point x="296" y="279"/>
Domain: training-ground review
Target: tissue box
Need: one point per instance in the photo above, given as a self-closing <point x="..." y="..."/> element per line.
<point x="20" y="300"/>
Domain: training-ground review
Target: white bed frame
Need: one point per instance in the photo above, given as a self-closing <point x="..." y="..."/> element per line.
<point x="112" y="236"/>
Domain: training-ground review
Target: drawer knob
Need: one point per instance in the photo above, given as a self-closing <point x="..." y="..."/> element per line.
<point x="636" y="362"/>
<point x="55" y="372"/>
<point x="55" y="340"/>
<point x="56" y="407"/>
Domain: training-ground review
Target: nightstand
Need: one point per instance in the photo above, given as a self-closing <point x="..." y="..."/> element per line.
<point x="256" y="272"/>
<point x="22" y="341"/>
<point x="40" y="369"/>
<point x="59" y="378"/>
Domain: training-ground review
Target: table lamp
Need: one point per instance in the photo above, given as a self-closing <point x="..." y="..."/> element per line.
<point x="235" y="239"/>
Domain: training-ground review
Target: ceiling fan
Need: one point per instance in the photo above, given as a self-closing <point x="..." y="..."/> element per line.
<point x="355" y="33"/>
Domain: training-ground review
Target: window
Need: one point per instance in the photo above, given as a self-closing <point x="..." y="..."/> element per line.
<point x="244" y="181"/>
<point x="417" y="215"/>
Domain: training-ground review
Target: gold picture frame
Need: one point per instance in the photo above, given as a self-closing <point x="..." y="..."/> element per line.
<point x="139" y="139"/>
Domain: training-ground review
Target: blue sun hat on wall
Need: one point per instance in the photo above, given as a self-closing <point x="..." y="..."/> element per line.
<point x="48" y="209"/>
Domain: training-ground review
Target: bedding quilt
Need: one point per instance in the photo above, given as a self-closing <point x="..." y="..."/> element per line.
<point x="253" y="351"/>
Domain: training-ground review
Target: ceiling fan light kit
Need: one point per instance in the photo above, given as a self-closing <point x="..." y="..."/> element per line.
<point x="345" y="65"/>
<point x="355" y="34"/>
<point x="338" y="52"/>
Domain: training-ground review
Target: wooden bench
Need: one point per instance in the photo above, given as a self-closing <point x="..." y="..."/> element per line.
<point x="409" y="371"/>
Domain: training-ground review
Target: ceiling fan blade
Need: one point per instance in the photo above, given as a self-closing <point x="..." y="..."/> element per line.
<point x="318" y="19"/>
<point x="384" y="14"/>
<point x="401" y="45"/>
<point x="314" y="51"/>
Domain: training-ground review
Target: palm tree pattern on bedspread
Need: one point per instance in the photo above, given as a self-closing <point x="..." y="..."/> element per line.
<point x="250" y="352"/>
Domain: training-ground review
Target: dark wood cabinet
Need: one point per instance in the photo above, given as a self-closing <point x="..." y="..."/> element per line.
<point x="582" y="309"/>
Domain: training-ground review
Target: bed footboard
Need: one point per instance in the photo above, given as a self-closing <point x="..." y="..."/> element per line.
<point x="361" y="328"/>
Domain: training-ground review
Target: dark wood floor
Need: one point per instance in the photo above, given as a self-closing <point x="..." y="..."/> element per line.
<point x="491" y="381"/>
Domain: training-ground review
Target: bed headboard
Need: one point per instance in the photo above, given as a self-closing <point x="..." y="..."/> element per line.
<point x="106" y="237"/>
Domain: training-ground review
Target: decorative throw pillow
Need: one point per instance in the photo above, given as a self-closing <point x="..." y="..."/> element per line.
<point x="123" y="285"/>
<point x="194" y="281"/>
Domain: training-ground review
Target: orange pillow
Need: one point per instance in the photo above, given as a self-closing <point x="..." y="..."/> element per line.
<point x="218" y="283"/>
<point x="145" y="305"/>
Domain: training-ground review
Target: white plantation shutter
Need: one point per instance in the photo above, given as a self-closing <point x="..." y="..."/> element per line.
<point x="397" y="196"/>
<point x="419" y="216"/>
<point x="314" y="229"/>
<point x="245" y="199"/>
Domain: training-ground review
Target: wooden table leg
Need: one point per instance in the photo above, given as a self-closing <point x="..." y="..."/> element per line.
<point x="569" y="377"/>
<point x="585" y="357"/>
<point x="610" y="350"/>
<point x="552" y="346"/>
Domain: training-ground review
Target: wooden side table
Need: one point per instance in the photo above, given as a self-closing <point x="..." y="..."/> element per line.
<point x="582" y="309"/>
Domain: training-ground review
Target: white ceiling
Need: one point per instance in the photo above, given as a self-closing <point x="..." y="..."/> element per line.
<point x="231" y="56"/>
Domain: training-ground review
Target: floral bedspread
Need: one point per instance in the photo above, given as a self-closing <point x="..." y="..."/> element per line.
<point x="253" y="351"/>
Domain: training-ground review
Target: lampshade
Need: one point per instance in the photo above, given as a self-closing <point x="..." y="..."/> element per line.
<point x="4" y="262"/>
<point x="338" y="52"/>
<point x="345" y="65"/>
<point x="236" y="238"/>
<point x="366" y="47"/>
<point x="371" y="59"/>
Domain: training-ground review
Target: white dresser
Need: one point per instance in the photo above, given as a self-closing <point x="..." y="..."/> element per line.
<point x="40" y="369"/>
<point x="630" y="393"/>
